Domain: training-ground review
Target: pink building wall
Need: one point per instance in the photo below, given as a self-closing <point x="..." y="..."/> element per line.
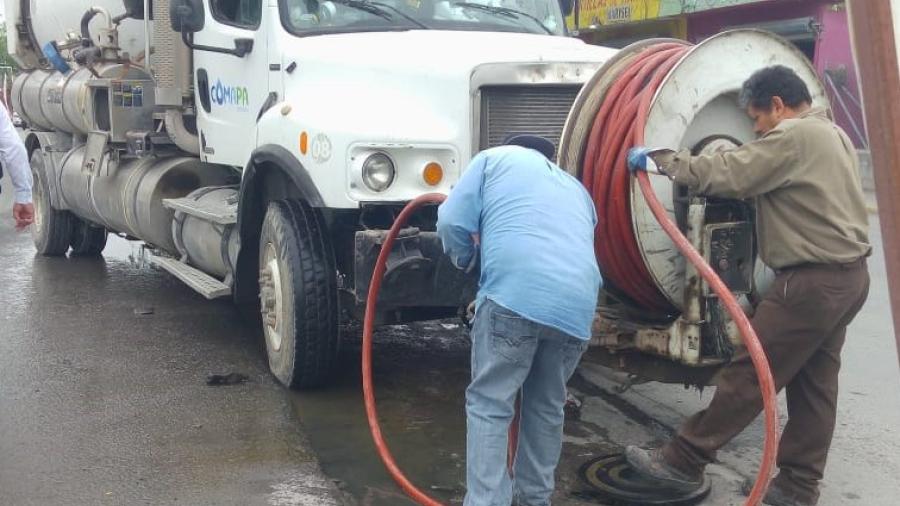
<point x="834" y="57"/>
<point x="709" y="22"/>
<point x="832" y="50"/>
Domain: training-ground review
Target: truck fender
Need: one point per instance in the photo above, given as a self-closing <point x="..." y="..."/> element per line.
<point x="276" y="164"/>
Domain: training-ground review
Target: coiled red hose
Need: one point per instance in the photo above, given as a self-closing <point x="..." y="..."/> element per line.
<point x="618" y="126"/>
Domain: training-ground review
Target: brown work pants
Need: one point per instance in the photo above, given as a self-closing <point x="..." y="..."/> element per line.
<point x="801" y="323"/>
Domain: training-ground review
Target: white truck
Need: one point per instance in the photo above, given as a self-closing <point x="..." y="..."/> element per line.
<point x="263" y="147"/>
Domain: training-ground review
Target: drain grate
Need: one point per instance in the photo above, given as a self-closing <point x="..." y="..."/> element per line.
<point x="612" y="481"/>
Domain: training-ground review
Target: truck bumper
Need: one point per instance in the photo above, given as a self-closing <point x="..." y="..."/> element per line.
<point x="418" y="273"/>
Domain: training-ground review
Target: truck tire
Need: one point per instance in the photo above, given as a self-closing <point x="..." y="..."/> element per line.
<point x="298" y="294"/>
<point x="87" y="239"/>
<point x="52" y="229"/>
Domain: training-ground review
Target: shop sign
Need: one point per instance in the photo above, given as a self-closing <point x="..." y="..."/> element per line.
<point x="597" y="13"/>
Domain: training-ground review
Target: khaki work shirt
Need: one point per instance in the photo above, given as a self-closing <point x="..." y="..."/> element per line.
<point x="804" y="177"/>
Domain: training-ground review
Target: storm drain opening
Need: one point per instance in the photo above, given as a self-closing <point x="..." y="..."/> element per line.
<point x="613" y="481"/>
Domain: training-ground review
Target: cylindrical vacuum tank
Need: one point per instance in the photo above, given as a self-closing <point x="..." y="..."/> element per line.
<point x="51" y="98"/>
<point x="129" y="199"/>
<point x="51" y="20"/>
<point x="53" y="101"/>
<point x="26" y="98"/>
<point x="211" y="247"/>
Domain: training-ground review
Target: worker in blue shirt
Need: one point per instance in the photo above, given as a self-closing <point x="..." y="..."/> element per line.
<point x="530" y="226"/>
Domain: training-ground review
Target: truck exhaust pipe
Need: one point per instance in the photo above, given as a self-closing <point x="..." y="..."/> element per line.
<point x="180" y="135"/>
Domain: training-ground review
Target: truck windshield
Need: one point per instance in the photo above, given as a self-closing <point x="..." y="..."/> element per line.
<point x="307" y="17"/>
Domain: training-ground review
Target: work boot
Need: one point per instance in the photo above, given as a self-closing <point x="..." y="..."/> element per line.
<point x="650" y="464"/>
<point x="775" y="496"/>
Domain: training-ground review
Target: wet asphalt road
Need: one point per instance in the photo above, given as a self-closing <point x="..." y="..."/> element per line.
<point x="100" y="404"/>
<point x="864" y="461"/>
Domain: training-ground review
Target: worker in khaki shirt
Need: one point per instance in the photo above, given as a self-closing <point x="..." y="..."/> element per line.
<point x="812" y="228"/>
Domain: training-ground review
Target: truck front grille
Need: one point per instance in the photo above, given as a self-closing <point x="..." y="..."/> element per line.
<point x="538" y="110"/>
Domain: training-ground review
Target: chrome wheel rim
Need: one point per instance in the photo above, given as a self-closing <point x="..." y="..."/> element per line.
<point x="270" y="298"/>
<point x="38" y="202"/>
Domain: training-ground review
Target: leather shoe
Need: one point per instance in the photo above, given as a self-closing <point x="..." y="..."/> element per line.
<point x="650" y="464"/>
<point x="775" y="496"/>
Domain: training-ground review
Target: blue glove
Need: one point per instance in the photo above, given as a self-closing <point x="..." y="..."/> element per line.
<point x="637" y="158"/>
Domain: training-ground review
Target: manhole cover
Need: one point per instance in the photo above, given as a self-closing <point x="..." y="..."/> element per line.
<point x="613" y="481"/>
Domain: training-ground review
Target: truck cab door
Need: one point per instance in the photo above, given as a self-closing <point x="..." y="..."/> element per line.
<point x="230" y="89"/>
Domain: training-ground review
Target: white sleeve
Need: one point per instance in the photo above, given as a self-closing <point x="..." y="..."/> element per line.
<point x="15" y="159"/>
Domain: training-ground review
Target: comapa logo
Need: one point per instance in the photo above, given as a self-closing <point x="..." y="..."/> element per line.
<point x="229" y="95"/>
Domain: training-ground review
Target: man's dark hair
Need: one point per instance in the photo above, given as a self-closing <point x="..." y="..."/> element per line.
<point x="774" y="81"/>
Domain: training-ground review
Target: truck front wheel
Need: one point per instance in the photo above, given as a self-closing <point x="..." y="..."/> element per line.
<point x="298" y="294"/>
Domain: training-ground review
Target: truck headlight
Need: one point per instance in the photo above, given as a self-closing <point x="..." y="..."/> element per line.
<point x="378" y="172"/>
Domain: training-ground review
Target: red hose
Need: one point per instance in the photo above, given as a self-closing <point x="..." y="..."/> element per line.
<point x="368" y="326"/>
<point x="618" y="126"/>
<point x="368" y="390"/>
<point x="606" y="177"/>
<point x="748" y="336"/>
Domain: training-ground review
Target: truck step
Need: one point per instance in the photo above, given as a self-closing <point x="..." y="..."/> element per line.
<point x="215" y="211"/>
<point x="206" y="285"/>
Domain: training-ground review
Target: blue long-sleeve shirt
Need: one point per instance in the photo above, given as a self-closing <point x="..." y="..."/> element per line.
<point x="535" y="225"/>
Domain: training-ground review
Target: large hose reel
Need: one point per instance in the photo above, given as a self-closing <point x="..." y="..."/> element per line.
<point x="694" y="106"/>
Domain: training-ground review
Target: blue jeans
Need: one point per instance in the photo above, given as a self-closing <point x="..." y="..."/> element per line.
<point x="509" y="354"/>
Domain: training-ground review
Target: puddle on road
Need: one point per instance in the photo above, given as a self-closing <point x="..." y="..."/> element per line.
<point x="133" y="252"/>
<point x="421" y="372"/>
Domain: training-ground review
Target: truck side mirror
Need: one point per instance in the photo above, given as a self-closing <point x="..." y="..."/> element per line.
<point x="187" y="16"/>
<point x="567" y="6"/>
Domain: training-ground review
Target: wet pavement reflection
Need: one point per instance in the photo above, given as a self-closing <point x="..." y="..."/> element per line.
<point x="421" y="371"/>
<point x="103" y="394"/>
<point x="420" y="375"/>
